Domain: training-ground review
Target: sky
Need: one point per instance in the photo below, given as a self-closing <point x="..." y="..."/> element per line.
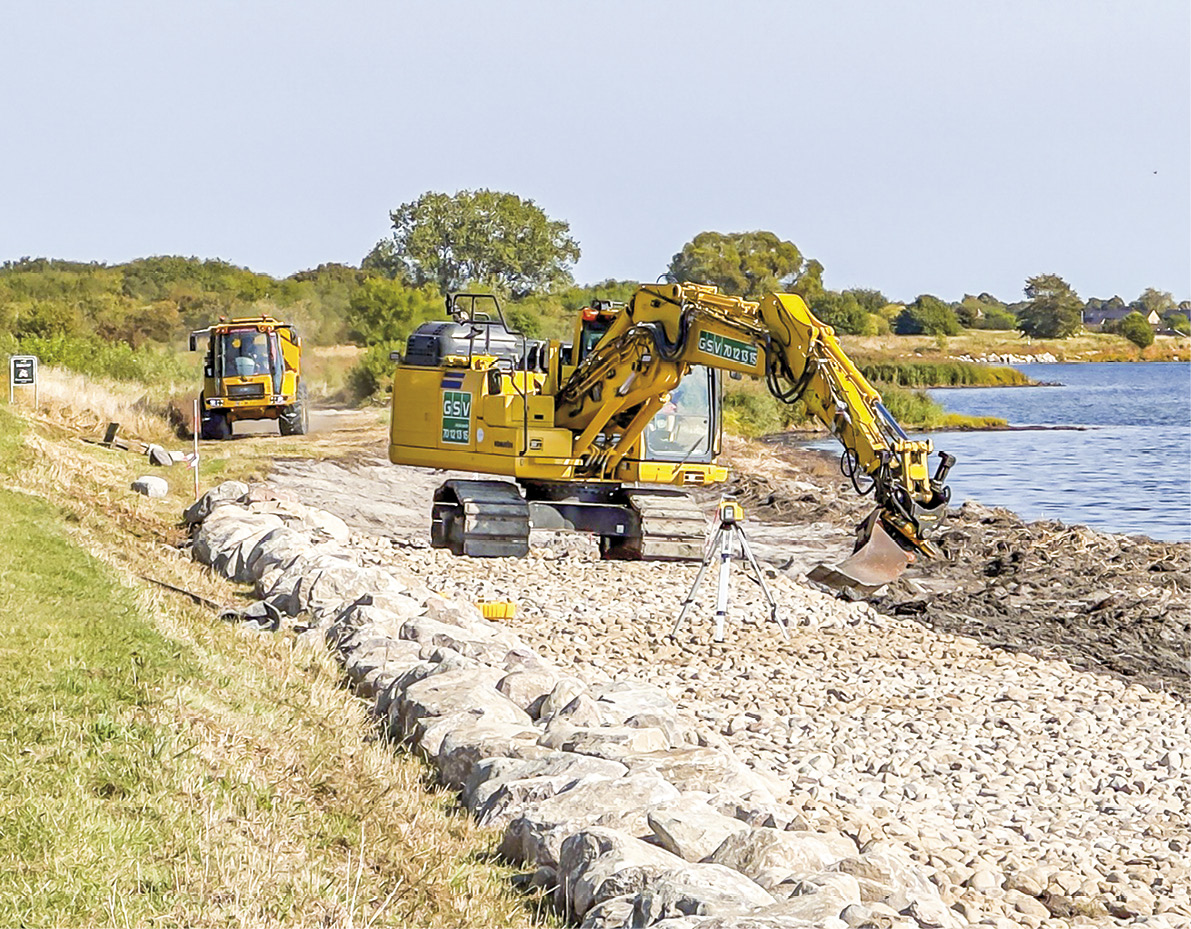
<point x="915" y="147"/>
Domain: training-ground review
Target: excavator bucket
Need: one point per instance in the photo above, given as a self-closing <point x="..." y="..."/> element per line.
<point x="877" y="560"/>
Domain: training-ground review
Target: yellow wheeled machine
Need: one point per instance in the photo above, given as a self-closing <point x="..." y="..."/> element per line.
<point x="602" y="433"/>
<point x="252" y="370"/>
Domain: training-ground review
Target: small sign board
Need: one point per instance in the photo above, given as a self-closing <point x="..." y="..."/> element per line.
<point x="22" y="370"/>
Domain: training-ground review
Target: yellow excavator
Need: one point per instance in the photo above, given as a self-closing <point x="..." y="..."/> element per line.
<point x="600" y="434"/>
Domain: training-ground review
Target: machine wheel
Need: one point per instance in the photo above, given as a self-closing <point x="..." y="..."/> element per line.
<point x="213" y="424"/>
<point x="295" y="419"/>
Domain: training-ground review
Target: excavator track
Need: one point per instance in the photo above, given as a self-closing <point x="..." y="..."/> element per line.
<point x="671" y="527"/>
<point x="485" y="519"/>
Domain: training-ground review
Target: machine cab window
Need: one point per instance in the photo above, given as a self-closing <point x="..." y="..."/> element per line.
<point x="684" y="428"/>
<point x="246" y="353"/>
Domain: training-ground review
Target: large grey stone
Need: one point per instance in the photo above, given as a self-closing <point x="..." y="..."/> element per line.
<point x="528" y="688"/>
<point x="159" y="456"/>
<point x="491" y="646"/>
<point x="459" y="613"/>
<point x="887" y="874"/>
<point x="614" y="742"/>
<point x="490" y="776"/>
<point x="599" y="864"/>
<point x="357" y="623"/>
<point x="620" y="701"/>
<point x="225" y="493"/>
<point x="709" y="770"/>
<point x="310" y="520"/>
<point x="433" y="661"/>
<point x="762" y="848"/>
<point x="512" y="798"/>
<point x="469" y="691"/>
<point x="371" y="655"/>
<point x="463" y="747"/>
<point x="581" y="711"/>
<point x="537" y="835"/>
<point x="227" y="536"/>
<point x="288" y="587"/>
<point x="820" y="897"/>
<point x="329" y="590"/>
<point x="690" y="828"/>
<point x="758" y="919"/>
<point x="275" y="549"/>
<point x="566" y="690"/>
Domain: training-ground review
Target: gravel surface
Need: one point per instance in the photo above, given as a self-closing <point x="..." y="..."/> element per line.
<point x="1023" y="736"/>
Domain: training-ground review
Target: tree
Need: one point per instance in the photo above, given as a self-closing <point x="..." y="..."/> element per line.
<point x="927" y="315"/>
<point x="46" y="318"/>
<point x="810" y="282"/>
<point x="1154" y="301"/>
<point x="1178" y="321"/>
<point x="871" y="301"/>
<point x="843" y="313"/>
<point x="995" y="318"/>
<point x="742" y="264"/>
<point x="1135" y="328"/>
<point x="383" y="312"/>
<point x="1053" y="310"/>
<point x="476" y="237"/>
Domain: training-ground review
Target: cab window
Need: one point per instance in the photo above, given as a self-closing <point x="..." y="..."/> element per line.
<point x="682" y="429"/>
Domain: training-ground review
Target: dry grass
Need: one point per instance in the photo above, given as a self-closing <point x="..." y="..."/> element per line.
<point x="88" y="404"/>
<point x="255" y="789"/>
<point x="1088" y="346"/>
<point x="325" y="368"/>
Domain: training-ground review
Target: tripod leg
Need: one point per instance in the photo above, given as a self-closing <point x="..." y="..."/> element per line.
<point x="748" y="553"/>
<point x="721" y="599"/>
<point x="690" y="598"/>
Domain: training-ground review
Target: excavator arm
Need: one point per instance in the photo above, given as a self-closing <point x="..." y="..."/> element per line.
<point x="652" y="343"/>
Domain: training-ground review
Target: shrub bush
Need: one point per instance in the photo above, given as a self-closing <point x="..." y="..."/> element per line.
<point x="373" y="373"/>
<point x="1135" y="328"/>
<point x="927" y="316"/>
<point x="117" y="360"/>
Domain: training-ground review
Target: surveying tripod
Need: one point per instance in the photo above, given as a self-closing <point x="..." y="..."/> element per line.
<point x="730" y="515"/>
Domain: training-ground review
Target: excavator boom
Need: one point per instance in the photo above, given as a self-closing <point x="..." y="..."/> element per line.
<point x="668" y="328"/>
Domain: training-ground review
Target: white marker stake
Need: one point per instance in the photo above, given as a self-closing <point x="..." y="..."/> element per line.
<point x="195" y="464"/>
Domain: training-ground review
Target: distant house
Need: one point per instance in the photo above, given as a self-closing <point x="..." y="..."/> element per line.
<point x="1095" y="318"/>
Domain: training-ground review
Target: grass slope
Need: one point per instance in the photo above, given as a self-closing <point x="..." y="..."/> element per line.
<point x="159" y="766"/>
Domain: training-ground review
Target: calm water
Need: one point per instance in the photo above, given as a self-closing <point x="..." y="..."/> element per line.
<point x="1125" y="468"/>
<point x="1128" y="469"/>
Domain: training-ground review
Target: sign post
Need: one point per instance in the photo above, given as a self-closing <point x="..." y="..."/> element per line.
<point x="22" y="372"/>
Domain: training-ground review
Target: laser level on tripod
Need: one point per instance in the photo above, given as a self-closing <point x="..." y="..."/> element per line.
<point x="730" y="515"/>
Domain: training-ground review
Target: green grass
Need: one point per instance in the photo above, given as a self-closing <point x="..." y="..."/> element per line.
<point x="941" y="374"/>
<point x="915" y="410"/>
<point x="157" y="766"/>
<point x="81" y="836"/>
<point x="750" y="411"/>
